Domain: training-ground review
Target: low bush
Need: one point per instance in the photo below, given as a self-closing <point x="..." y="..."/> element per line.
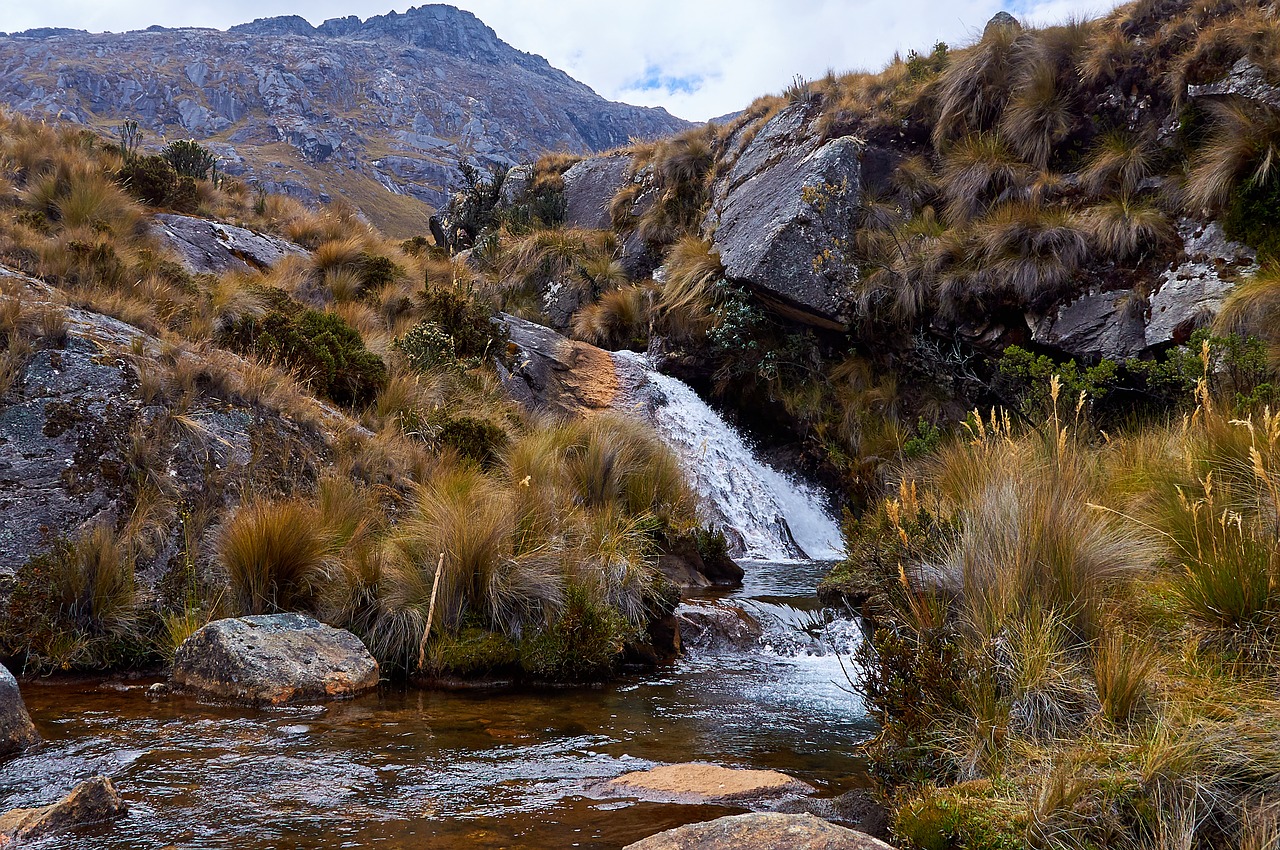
<point x="152" y="180"/>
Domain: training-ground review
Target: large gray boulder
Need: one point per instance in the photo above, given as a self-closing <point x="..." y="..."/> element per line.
<point x="208" y="247"/>
<point x="779" y="215"/>
<point x="1245" y="79"/>
<point x="590" y="185"/>
<point x="93" y="801"/>
<point x="17" y="732"/>
<point x="761" y="831"/>
<point x="698" y="783"/>
<point x="274" y="659"/>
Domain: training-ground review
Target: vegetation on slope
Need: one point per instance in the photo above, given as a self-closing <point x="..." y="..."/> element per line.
<point x="545" y="534"/>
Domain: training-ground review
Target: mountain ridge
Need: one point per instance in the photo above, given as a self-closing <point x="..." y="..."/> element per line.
<point x="377" y="110"/>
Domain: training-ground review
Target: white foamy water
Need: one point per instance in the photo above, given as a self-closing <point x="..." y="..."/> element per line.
<point x="774" y="516"/>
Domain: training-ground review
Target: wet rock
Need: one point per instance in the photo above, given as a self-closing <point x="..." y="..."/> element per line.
<point x="208" y="247"/>
<point x="857" y="809"/>
<point x="761" y="831"/>
<point x="275" y="658"/>
<point x="697" y="783"/>
<point x="590" y="185"/>
<point x="555" y="374"/>
<point x="780" y="213"/>
<point x="710" y="628"/>
<point x="93" y="801"/>
<point x="17" y="732"/>
<point x="680" y="561"/>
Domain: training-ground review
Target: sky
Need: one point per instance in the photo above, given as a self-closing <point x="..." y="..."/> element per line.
<point x="698" y="58"/>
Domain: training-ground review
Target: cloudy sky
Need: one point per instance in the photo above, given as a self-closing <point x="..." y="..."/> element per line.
<point x="698" y="58"/>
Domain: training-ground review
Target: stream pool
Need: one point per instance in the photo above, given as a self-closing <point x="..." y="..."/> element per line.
<point x="478" y="769"/>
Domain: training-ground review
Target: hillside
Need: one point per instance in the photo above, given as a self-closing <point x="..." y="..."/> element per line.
<point x="376" y="111"/>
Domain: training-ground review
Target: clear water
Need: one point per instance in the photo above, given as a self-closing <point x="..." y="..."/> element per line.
<point x="413" y="769"/>
<point x="773" y="516"/>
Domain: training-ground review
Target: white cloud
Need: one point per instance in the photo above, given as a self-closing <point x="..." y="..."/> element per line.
<point x="710" y="57"/>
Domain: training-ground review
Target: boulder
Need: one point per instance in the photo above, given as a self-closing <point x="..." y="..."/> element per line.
<point x="779" y="215"/>
<point x="555" y="374"/>
<point x="761" y="831"/>
<point x="275" y="659"/>
<point x="697" y="783"/>
<point x="590" y="185"/>
<point x="680" y="561"/>
<point x="17" y="732"/>
<point x="93" y="801"/>
<point x="208" y="247"/>
<point x="711" y="628"/>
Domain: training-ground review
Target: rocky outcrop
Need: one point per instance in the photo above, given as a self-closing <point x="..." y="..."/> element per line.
<point x="781" y="211"/>
<point x="555" y="374"/>
<point x="681" y="562"/>
<point x="590" y="185"/>
<point x="761" y="831"/>
<point x="93" y="801"/>
<point x="17" y="732"/>
<point x="370" y="109"/>
<point x="91" y="407"/>
<point x="711" y="628"/>
<point x="209" y="247"/>
<point x="274" y="659"/>
<point x="1124" y="323"/>
<point x="697" y="783"/>
<point x="1246" y="80"/>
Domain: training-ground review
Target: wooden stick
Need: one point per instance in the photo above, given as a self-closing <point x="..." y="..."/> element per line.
<point x="431" y="614"/>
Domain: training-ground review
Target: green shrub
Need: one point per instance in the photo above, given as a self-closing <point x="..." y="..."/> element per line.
<point x="326" y="352"/>
<point x="583" y="644"/>
<point x="152" y="180"/>
<point x="478" y="440"/>
<point x="426" y="346"/>
<point x="458" y="327"/>
<point x="964" y="817"/>
<point x="1254" y="218"/>
<point x="190" y="159"/>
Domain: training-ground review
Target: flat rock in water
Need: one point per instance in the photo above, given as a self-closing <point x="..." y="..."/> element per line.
<point x="703" y="783"/>
<point x="716" y="628"/>
<point x="93" y="801"/>
<point x="275" y="658"/>
<point x="17" y="732"/>
<point x="761" y="831"/>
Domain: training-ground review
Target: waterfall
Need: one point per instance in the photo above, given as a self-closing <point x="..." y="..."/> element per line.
<point x="766" y="515"/>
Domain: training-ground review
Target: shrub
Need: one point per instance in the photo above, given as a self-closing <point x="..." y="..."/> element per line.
<point x="275" y="555"/>
<point x="472" y="652"/>
<point x="1253" y="217"/>
<point x="152" y="180"/>
<point x="190" y="159"/>
<point x="326" y="352"/>
<point x="478" y="440"/>
<point x="583" y="644"/>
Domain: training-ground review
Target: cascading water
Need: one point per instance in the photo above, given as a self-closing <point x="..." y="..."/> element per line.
<point x="773" y="516"/>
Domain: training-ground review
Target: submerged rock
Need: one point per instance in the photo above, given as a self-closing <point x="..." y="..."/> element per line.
<point x="704" y="783"/>
<point x="93" y="801"/>
<point x="715" y="628"/>
<point x="761" y="831"/>
<point x="275" y="658"/>
<point x="209" y="247"/>
<point x="17" y="732"/>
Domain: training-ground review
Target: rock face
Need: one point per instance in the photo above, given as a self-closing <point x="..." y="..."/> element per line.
<point x="1245" y="79"/>
<point x="208" y="247"/>
<point x="761" y="831"/>
<point x="590" y="185"/>
<point x="680" y="561"/>
<point x="1122" y="323"/>
<point x="388" y="103"/>
<point x="710" y="628"/>
<point x="93" y="801"/>
<point x="780" y="212"/>
<point x="17" y="732"/>
<point x="275" y="659"/>
<point x="555" y="374"/>
<point x="78" y="415"/>
<point x="704" y="783"/>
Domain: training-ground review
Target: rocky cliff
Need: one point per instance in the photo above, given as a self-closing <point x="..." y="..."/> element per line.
<point x="376" y="110"/>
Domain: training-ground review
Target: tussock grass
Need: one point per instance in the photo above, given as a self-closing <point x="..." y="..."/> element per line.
<point x="276" y="556"/>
